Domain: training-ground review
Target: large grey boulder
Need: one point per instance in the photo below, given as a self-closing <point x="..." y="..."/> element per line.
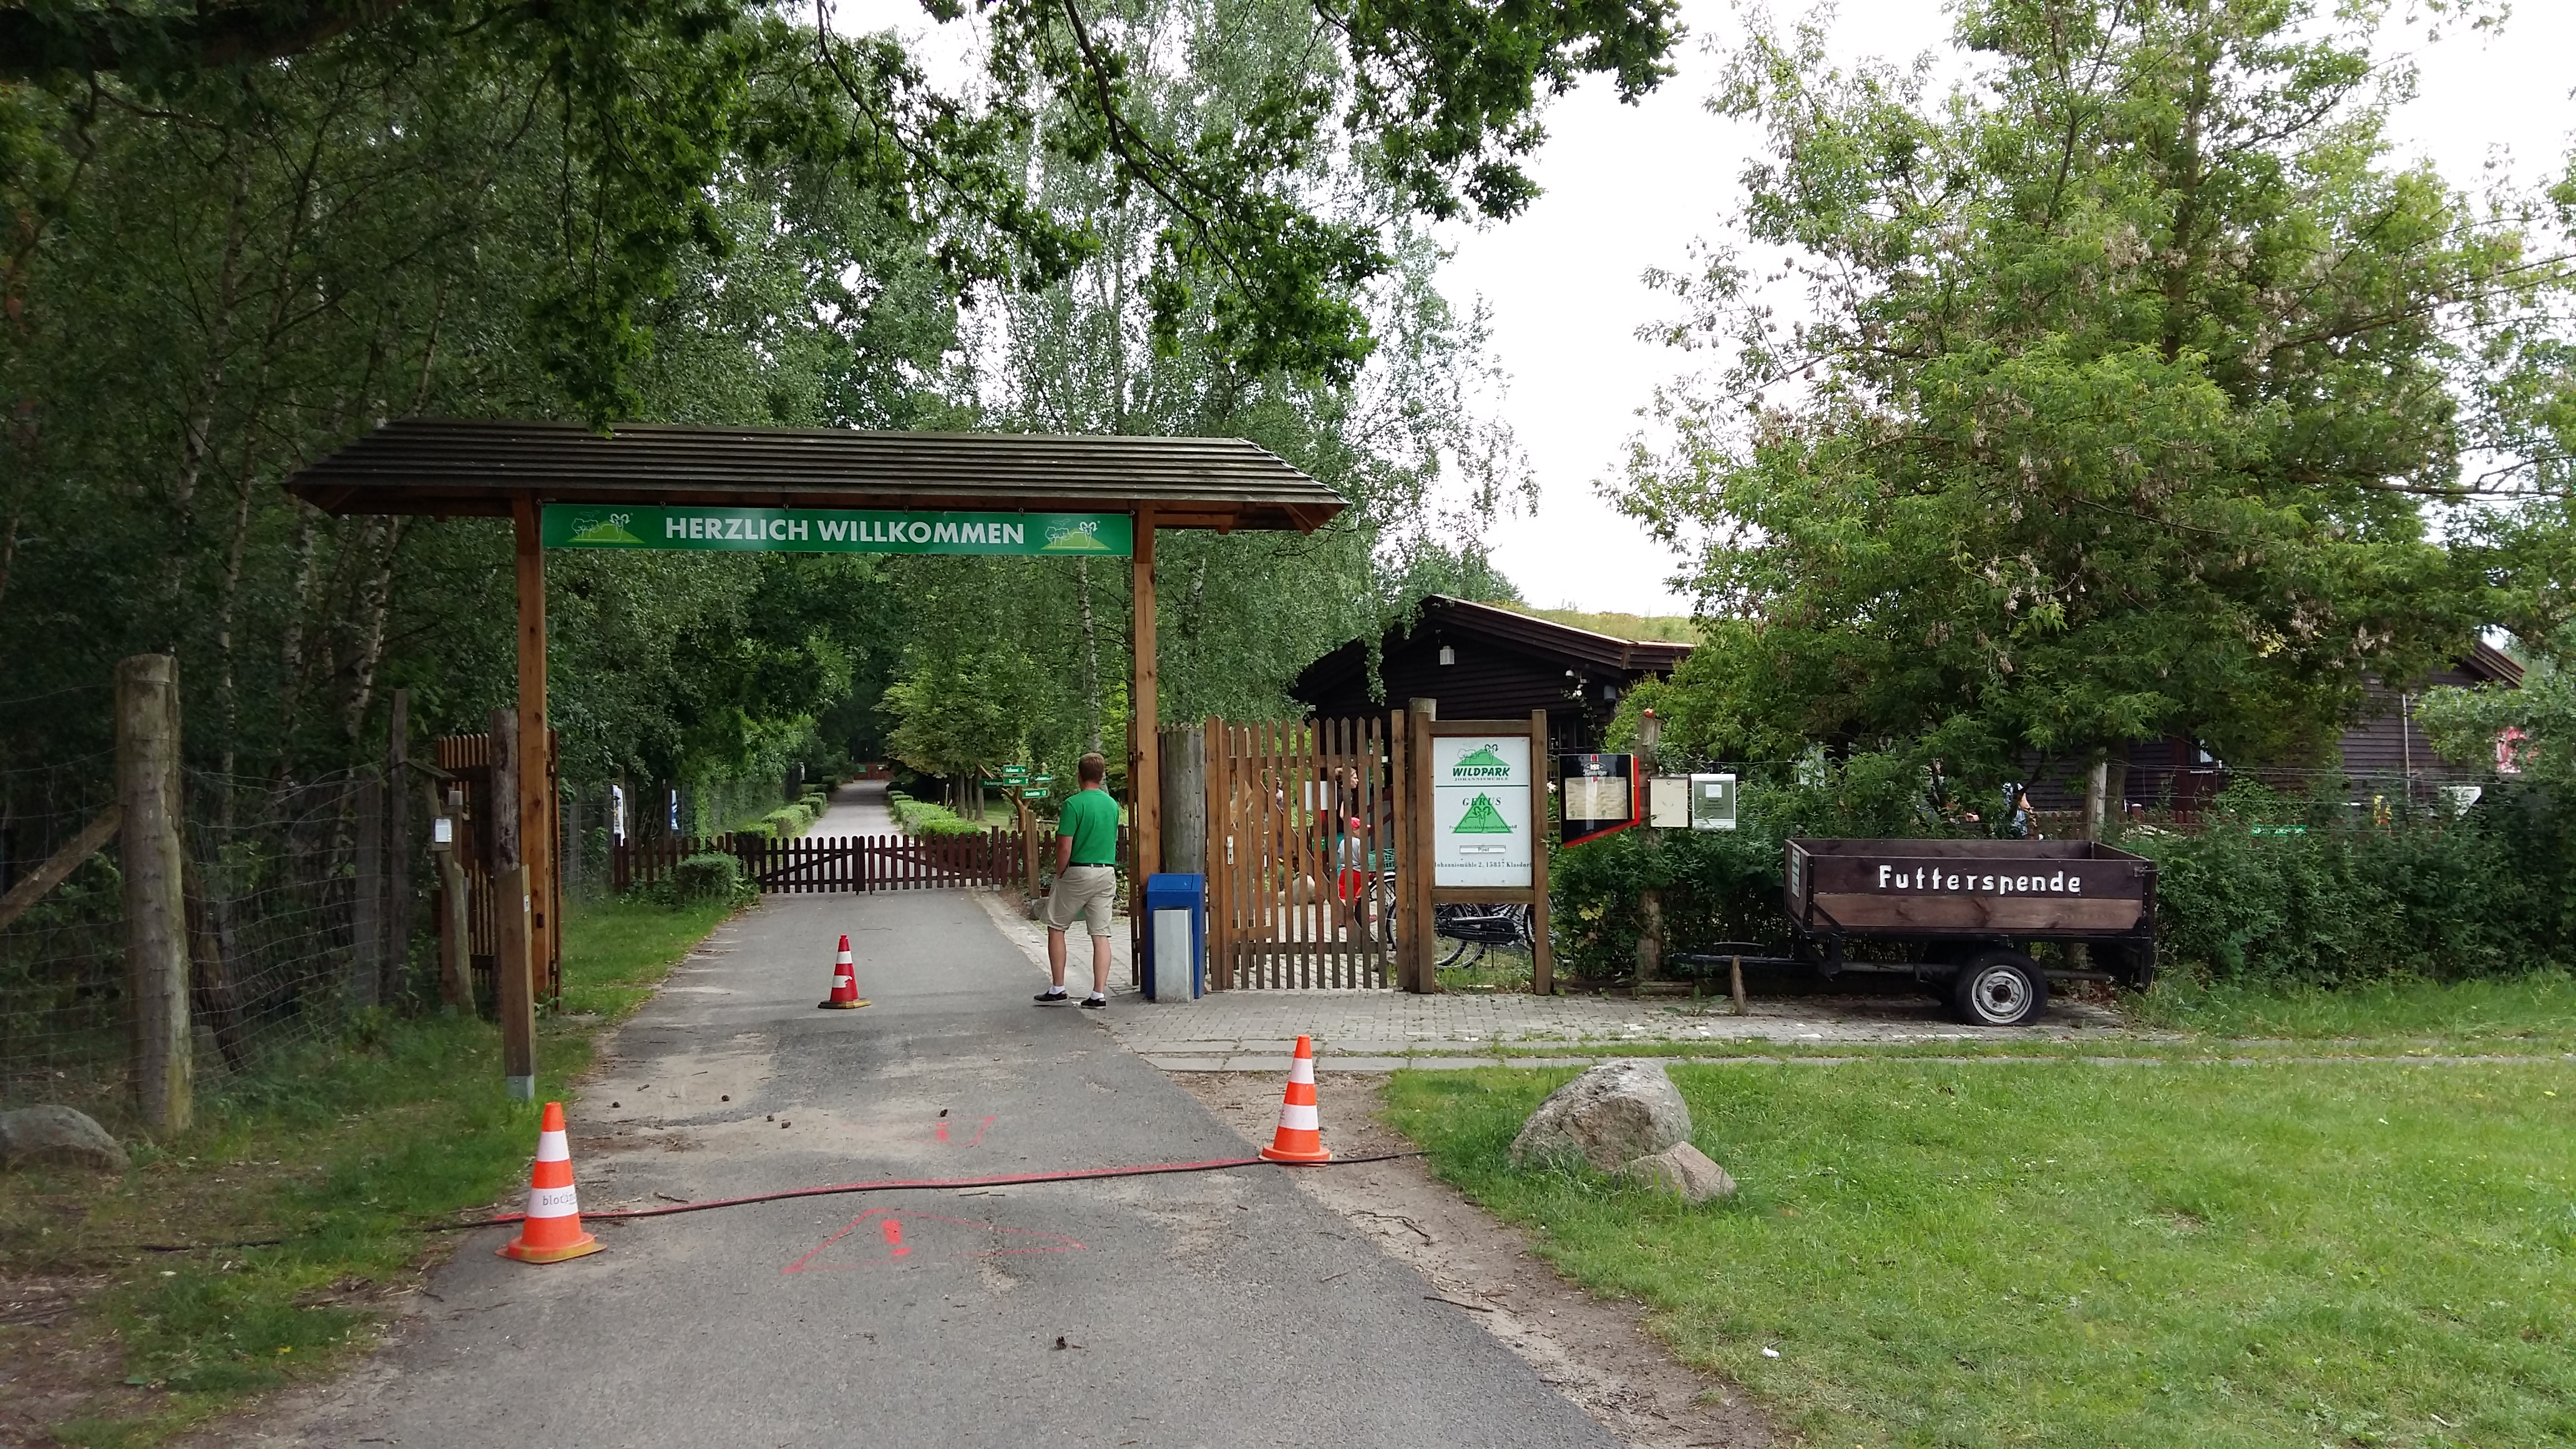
<point x="1684" y="1171"/>
<point x="58" y="1135"/>
<point x="1611" y="1115"/>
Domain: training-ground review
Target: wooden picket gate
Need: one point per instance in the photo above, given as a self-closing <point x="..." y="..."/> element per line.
<point x="835" y="862"/>
<point x="1296" y="896"/>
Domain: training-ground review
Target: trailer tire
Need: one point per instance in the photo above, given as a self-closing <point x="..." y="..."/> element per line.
<point x="1999" y="988"/>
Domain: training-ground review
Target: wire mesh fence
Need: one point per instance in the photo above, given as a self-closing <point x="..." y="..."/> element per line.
<point x="62" y="993"/>
<point x="295" y="927"/>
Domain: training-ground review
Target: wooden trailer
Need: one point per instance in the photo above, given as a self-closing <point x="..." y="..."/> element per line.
<point x="1961" y="915"/>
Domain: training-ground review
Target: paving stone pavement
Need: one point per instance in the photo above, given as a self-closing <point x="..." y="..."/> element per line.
<point x="1378" y="1031"/>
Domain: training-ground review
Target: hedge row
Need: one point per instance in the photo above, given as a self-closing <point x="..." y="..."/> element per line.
<point x="920" y="817"/>
<point x="2264" y="888"/>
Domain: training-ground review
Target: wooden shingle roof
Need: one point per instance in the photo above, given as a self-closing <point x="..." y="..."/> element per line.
<point x="457" y="468"/>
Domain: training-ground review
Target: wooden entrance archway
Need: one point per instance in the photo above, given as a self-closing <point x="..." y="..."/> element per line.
<point x="444" y="468"/>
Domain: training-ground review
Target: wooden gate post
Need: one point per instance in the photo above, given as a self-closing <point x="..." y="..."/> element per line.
<point x="514" y="966"/>
<point x="1185" y="823"/>
<point x="156" y="914"/>
<point x="1418" y="970"/>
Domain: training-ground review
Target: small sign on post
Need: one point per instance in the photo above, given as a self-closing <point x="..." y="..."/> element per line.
<point x="1712" y="802"/>
<point x="1597" y="795"/>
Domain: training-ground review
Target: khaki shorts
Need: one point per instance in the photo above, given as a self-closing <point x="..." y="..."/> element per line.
<point x="1088" y="891"/>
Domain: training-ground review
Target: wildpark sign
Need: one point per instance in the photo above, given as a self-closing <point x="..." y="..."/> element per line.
<point x="835" y="530"/>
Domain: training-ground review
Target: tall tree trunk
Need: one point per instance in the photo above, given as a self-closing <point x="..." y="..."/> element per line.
<point x="376" y="597"/>
<point x="290" y="648"/>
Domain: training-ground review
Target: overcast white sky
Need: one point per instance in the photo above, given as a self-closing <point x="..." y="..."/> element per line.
<point x="1628" y="188"/>
<point x="1631" y="187"/>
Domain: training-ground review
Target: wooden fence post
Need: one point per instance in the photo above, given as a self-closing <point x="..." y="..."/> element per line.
<point x="514" y="969"/>
<point x="156" y="918"/>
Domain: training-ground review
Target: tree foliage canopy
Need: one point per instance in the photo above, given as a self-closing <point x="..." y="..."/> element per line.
<point x="2127" y="372"/>
<point x="651" y="102"/>
<point x="222" y="271"/>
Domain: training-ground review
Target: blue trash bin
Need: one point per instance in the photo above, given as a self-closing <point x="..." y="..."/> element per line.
<point x="1175" y="937"/>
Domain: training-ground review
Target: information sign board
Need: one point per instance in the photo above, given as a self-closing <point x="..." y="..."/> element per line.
<point x="1712" y="802"/>
<point x="1596" y="795"/>
<point x="638" y="526"/>
<point x="1480" y="811"/>
<point x="1668" y="802"/>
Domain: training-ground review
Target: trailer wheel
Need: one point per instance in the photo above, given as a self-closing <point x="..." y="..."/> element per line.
<point x="1999" y="988"/>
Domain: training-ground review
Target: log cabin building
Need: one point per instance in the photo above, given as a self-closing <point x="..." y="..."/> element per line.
<point x="1484" y="662"/>
<point x="2387" y="753"/>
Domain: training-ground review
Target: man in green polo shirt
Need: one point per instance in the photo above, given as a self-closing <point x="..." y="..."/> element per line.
<point x="1086" y="880"/>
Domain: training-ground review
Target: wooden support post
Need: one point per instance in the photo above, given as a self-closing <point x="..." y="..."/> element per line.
<point x="1144" y="762"/>
<point x="535" y="798"/>
<point x="514" y="967"/>
<point x="1542" y="959"/>
<point x="156" y="913"/>
<point x="398" y="892"/>
<point x="1650" y="901"/>
<point x="455" y="940"/>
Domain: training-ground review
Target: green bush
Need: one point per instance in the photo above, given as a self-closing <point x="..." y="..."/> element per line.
<point x="919" y="817"/>
<point x="706" y="877"/>
<point x="2267" y="887"/>
<point x="2337" y="900"/>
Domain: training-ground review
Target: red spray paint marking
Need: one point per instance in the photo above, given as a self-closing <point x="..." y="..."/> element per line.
<point x="890" y="1228"/>
<point x="941" y="1132"/>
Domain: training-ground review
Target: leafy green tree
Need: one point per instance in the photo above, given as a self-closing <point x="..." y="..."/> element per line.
<point x="653" y="102"/>
<point x="958" y="717"/>
<point x="2130" y="369"/>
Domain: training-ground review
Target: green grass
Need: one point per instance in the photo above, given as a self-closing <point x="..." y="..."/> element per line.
<point x="343" y="1152"/>
<point x="2349" y="1253"/>
<point x="2536" y="1011"/>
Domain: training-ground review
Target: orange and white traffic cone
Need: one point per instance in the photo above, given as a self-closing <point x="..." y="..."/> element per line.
<point x="845" y="984"/>
<point x="552" y="1231"/>
<point x="1300" y="1137"/>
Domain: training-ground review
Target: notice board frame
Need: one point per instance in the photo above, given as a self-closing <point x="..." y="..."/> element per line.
<point x="1416" y="968"/>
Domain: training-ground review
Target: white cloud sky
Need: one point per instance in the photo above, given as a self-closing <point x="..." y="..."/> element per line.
<point x="1631" y="187"/>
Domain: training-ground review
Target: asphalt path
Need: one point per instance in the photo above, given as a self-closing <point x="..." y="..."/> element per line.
<point x="1221" y="1308"/>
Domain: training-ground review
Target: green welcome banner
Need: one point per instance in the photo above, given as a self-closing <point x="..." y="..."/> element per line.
<point x="836" y="530"/>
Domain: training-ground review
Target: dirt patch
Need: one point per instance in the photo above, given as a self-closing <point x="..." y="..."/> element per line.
<point x="52" y="1360"/>
<point x="1595" y="1352"/>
